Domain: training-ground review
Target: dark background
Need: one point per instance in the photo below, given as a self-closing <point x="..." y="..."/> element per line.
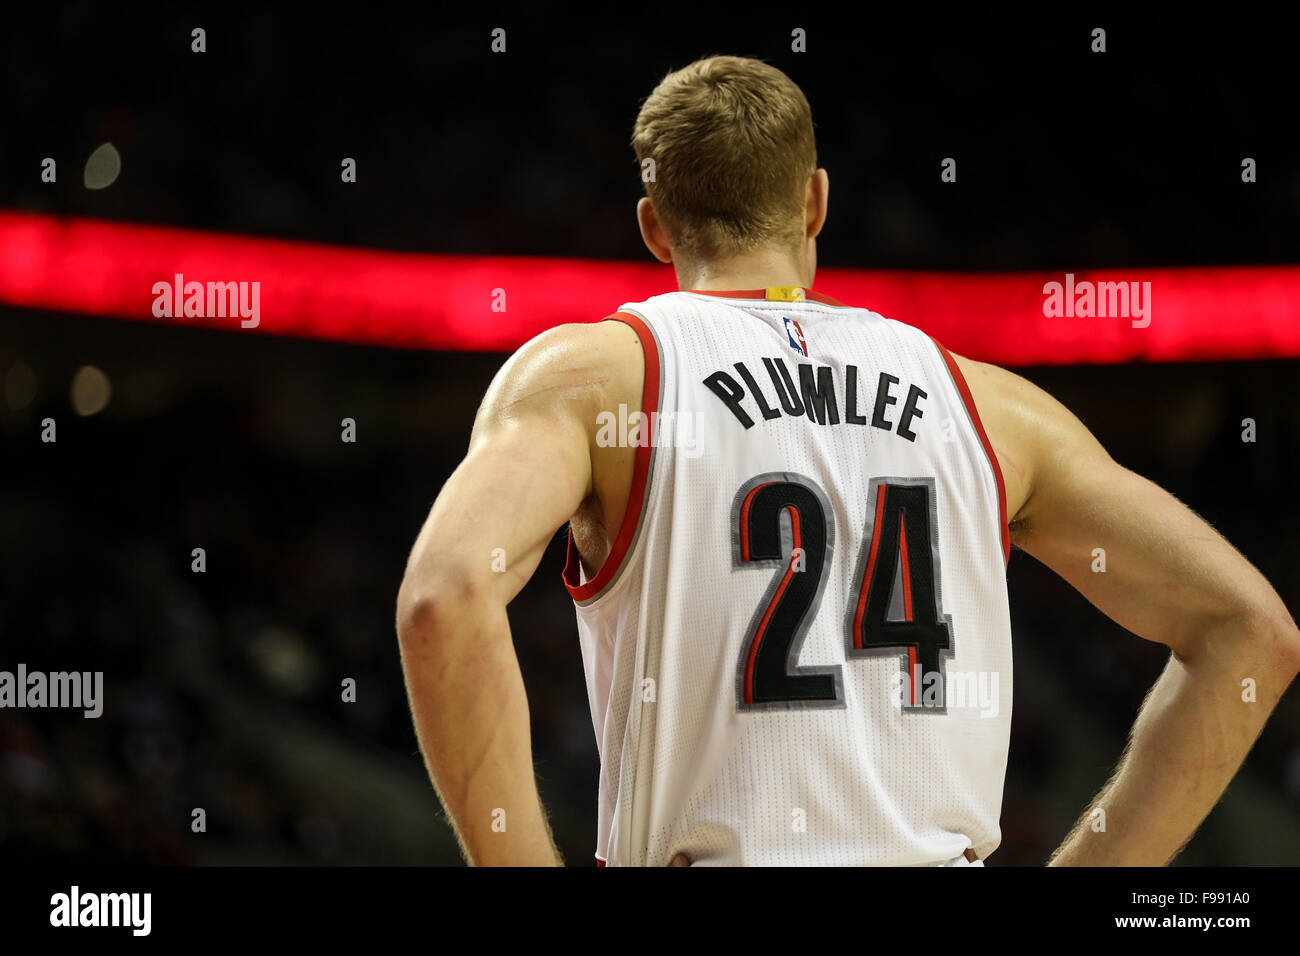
<point x="223" y="688"/>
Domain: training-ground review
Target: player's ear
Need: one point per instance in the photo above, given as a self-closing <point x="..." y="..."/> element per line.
<point x="652" y="233"/>
<point x="816" y="197"/>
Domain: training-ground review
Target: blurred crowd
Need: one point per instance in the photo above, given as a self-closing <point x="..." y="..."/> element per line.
<point x="225" y="737"/>
<point x="224" y="688"/>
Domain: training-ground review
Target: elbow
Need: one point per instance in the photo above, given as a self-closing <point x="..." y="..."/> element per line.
<point x="415" y="612"/>
<point x="428" y="605"/>
<point x="1275" y="639"/>
<point x="1260" y="634"/>
<point x="1286" y="637"/>
<point x="421" y="612"/>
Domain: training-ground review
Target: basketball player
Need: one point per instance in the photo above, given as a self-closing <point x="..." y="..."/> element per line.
<point x="789" y="575"/>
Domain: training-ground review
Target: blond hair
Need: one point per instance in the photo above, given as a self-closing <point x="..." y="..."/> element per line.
<point x="732" y="143"/>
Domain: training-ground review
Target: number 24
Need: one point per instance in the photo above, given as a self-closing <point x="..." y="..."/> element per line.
<point x="898" y="557"/>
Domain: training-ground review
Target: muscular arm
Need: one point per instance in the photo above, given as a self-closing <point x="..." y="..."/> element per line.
<point x="1169" y="578"/>
<point x="528" y="470"/>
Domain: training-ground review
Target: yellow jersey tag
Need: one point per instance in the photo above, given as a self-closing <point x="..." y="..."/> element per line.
<point x="785" y="293"/>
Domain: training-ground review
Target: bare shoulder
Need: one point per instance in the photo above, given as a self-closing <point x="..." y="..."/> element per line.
<point x="570" y="370"/>
<point x="1031" y="432"/>
<point x="555" y="390"/>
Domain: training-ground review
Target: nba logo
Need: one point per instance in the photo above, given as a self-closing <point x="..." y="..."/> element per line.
<point x="795" y="336"/>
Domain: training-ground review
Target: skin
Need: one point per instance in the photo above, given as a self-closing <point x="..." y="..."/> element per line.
<point x="534" y="465"/>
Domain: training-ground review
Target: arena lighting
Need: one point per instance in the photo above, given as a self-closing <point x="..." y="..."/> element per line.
<point x="446" y="302"/>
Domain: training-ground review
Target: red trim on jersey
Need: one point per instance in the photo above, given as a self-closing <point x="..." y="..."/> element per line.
<point x="911" y="673"/>
<point x="757" y="639"/>
<point x="960" y="381"/>
<point x="599" y="862"/>
<point x="869" y="572"/>
<point x="907" y="567"/>
<point x="640" y="476"/>
<point x="808" y="294"/>
<point x="744" y="519"/>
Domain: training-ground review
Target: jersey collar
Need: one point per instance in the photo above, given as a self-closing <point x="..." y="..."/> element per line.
<point x="777" y="293"/>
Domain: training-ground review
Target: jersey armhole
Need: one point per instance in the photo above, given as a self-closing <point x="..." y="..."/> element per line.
<point x="968" y="400"/>
<point x="638" y="494"/>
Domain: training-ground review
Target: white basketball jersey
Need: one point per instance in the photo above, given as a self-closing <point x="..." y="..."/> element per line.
<point x="799" y="649"/>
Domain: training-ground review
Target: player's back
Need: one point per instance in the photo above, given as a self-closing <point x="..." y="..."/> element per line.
<point x="798" y="650"/>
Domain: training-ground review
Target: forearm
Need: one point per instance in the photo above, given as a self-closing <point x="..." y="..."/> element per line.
<point x="1191" y="736"/>
<point x="471" y="719"/>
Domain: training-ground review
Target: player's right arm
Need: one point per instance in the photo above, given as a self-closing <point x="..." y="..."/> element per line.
<point x="1169" y="577"/>
<point x="533" y="463"/>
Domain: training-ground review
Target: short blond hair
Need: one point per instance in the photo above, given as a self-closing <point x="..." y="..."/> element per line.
<point x="732" y="143"/>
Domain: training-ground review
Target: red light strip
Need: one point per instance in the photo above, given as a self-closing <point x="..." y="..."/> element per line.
<point x="446" y="302"/>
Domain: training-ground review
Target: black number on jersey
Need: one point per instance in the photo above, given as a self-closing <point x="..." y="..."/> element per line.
<point x="785" y="521"/>
<point x="895" y="601"/>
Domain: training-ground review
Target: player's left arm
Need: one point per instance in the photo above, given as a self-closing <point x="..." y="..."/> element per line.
<point x="1169" y="577"/>
<point x="528" y="470"/>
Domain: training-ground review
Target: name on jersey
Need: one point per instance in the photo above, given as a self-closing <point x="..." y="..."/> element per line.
<point x="813" y="391"/>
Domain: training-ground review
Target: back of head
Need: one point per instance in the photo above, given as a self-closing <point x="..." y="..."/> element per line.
<point x="732" y="144"/>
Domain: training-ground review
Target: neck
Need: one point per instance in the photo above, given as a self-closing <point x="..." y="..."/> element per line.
<point x="757" y="270"/>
